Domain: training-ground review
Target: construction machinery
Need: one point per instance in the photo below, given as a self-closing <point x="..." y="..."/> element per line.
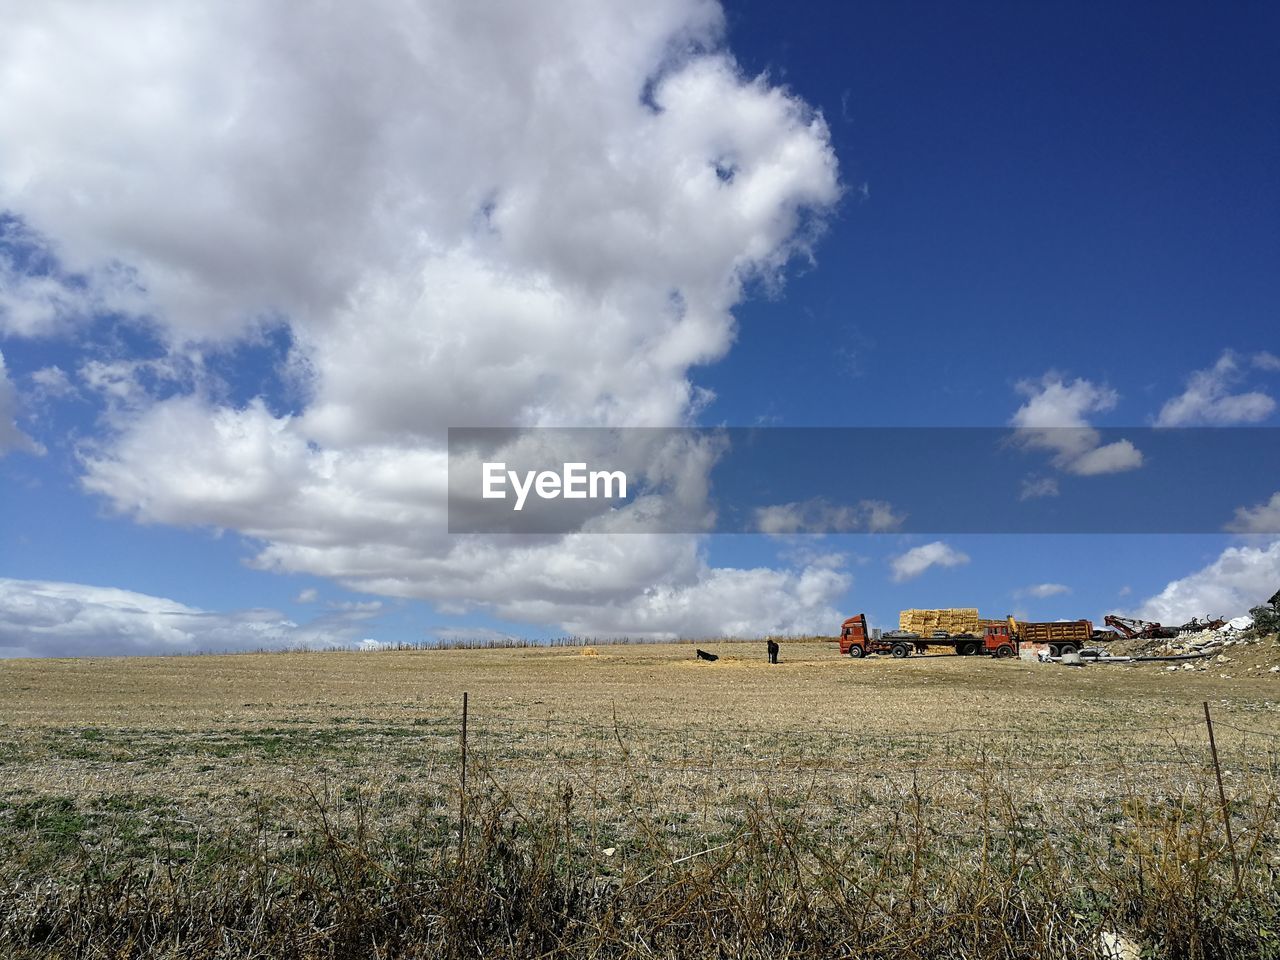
<point x="1133" y="629"/>
<point x="1196" y="625"/>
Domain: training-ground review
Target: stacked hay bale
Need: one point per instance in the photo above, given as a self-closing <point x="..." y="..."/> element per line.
<point x="952" y="620"/>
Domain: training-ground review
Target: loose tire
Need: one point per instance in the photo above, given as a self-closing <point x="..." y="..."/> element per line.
<point x="901" y="650"/>
<point x="1004" y="651"/>
<point x="856" y="652"/>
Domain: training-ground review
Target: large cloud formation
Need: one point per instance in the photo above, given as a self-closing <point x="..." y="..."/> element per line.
<point x="1242" y="577"/>
<point x="48" y="618"/>
<point x="495" y="214"/>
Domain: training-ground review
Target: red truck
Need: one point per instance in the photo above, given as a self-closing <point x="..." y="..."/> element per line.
<point x="856" y="640"/>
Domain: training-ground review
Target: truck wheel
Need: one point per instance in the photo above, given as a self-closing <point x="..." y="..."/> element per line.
<point x="1068" y="648"/>
<point x="901" y="650"/>
<point x="968" y="649"/>
<point x="1004" y="651"/>
<point x="856" y="652"/>
<point x="1053" y="650"/>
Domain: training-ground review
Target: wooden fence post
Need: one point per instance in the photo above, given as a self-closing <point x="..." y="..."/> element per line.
<point x="1222" y="796"/>
<point x="462" y="790"/>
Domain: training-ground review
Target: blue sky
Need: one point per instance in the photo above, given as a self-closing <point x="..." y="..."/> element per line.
<point x="242" y="293"/>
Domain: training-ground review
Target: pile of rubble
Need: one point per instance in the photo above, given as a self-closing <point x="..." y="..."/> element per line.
<point x="1231" y="650"/>
<point x="1206" y="641"/>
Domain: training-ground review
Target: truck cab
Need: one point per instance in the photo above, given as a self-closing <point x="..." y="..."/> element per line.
<point x="857" y="640"/>
<point x="1000" y="640"/>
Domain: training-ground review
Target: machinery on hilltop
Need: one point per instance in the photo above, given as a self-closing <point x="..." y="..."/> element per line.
<point x="1133" y="629"/>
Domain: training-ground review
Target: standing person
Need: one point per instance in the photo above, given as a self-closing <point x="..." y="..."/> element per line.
<point x="773" y="651"/>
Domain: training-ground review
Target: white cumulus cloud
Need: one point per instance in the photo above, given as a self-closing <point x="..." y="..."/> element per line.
<point x="521" y="214"/>
<point x="917" y="560"/>
<point x="1240" y="578"/>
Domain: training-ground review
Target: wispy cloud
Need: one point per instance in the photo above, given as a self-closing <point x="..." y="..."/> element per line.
<point x="1266" y="360"/>
<point x="11" y="437"/>
<point x="1035" y="487"/>
<point x="1054" y="418"/>
<point x="1260" y="518"/>
<point x="1043" y="590"/>
<point x="819" y="515"/>
<point x="47" y="618"/>
<point x="917" y="560"/>
<point x="1208" y="399"/>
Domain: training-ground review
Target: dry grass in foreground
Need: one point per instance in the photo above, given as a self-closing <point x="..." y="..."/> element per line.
<point x="632" y="804"/>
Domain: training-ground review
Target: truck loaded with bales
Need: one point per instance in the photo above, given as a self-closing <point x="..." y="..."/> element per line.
<point x="966" y="634"/>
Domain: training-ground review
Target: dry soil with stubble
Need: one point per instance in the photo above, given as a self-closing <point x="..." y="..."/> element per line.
<point x="210" y="727"/>
<point x="320" y="796"/>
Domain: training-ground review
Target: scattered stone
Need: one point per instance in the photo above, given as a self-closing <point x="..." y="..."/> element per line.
<point x="1115" y="946"/>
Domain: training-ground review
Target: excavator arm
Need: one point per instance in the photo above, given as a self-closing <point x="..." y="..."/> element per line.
<point x="1134" y="629"/>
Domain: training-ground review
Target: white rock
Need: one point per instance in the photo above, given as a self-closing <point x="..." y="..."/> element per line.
<point x="1114" y="946"/>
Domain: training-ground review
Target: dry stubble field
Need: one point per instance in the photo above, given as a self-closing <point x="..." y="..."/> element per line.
<point x="918" y="807"/>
